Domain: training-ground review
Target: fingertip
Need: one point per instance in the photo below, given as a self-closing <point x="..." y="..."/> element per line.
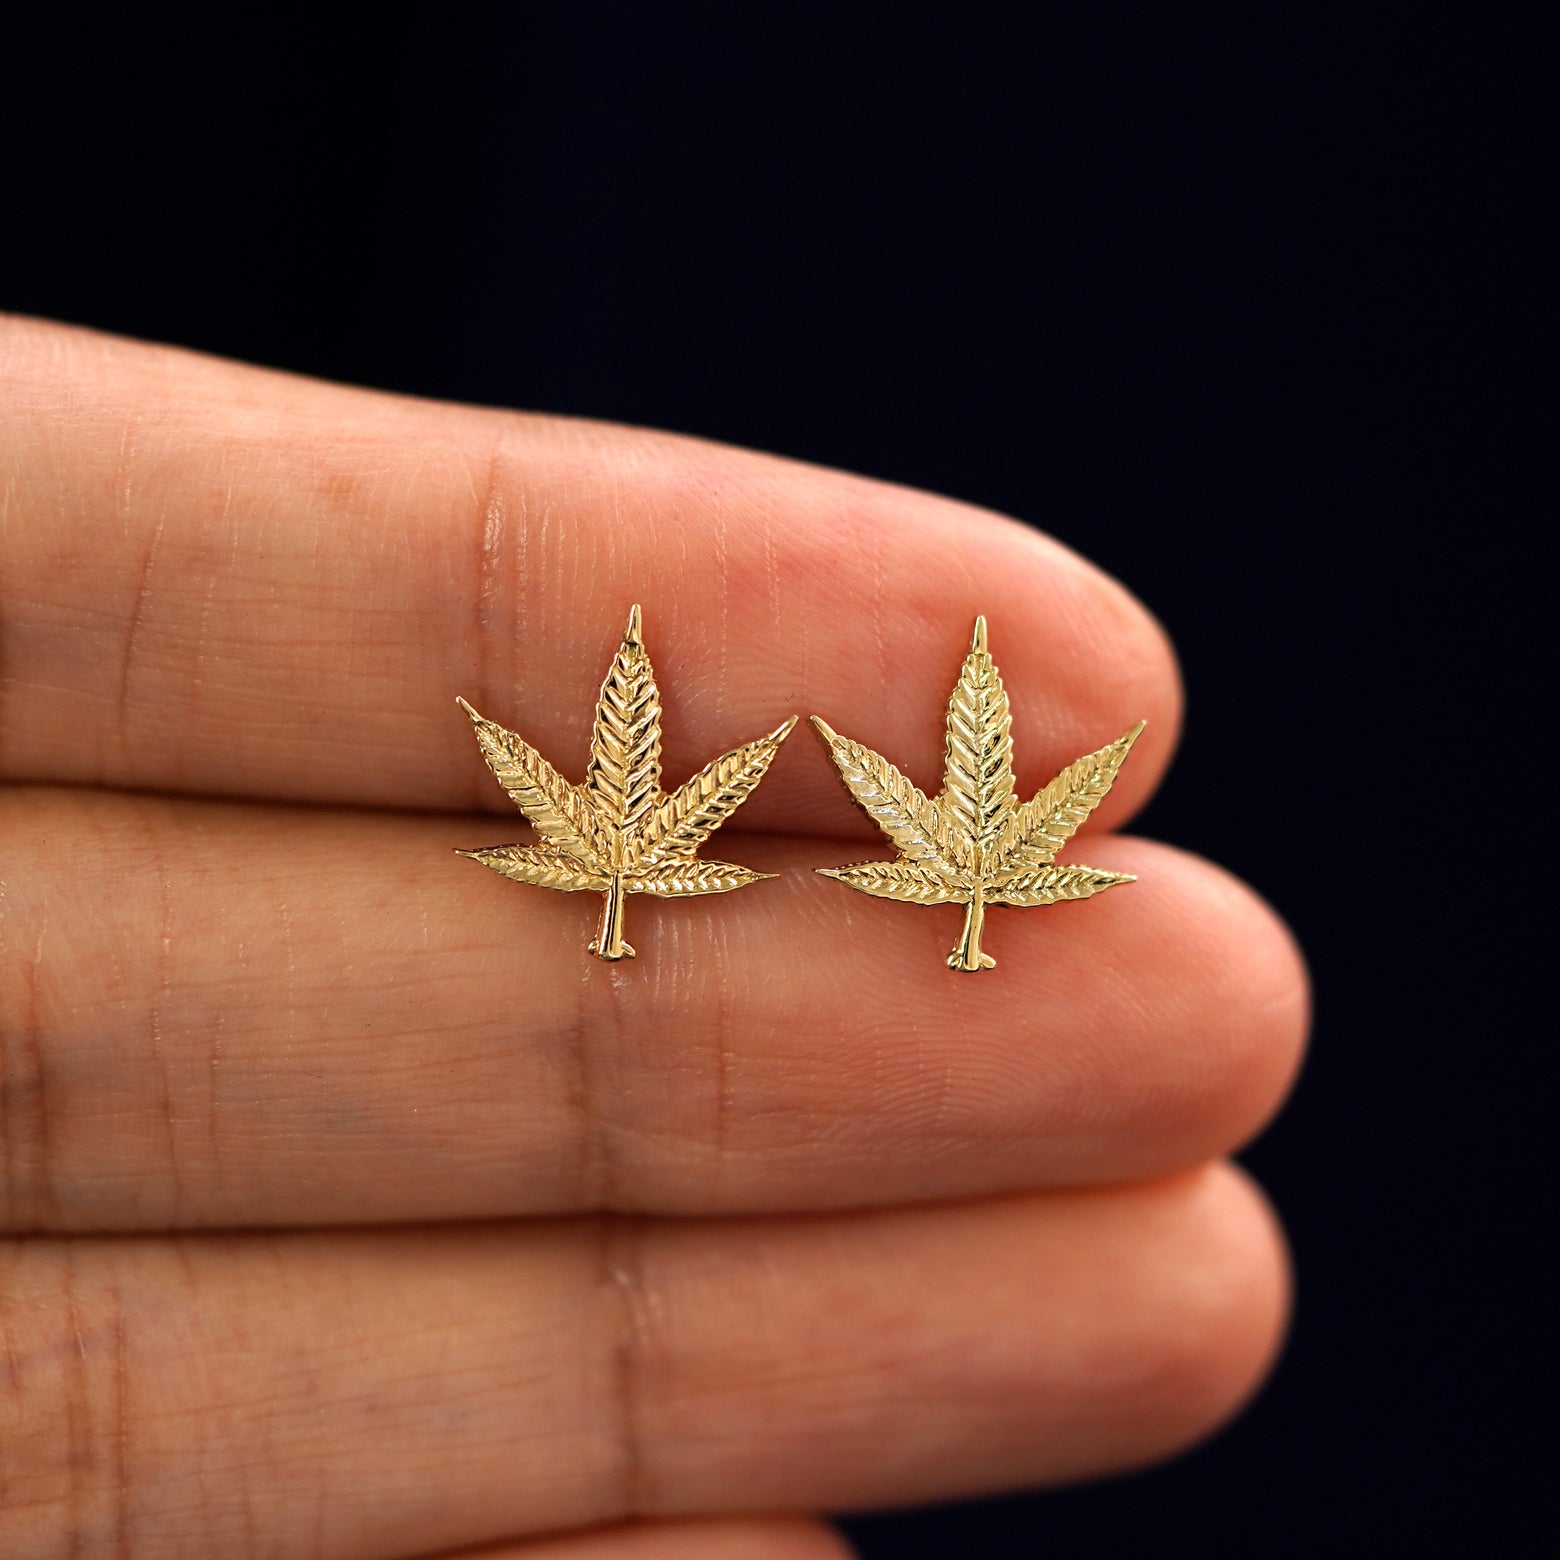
<point x="1204" y="1325"/>
<point x="1229" y="1311"/>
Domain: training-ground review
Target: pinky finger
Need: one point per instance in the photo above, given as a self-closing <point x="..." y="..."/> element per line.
<point x="747" y="1538"/>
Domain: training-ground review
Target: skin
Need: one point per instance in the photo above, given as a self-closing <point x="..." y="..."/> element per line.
<point x="350" y="1209"/>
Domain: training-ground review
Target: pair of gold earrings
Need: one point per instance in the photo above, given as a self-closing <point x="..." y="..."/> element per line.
<point x="618" y="833"/>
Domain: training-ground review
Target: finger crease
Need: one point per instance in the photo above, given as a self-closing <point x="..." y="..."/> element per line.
<point x="24" y="1111"/>
<point x="121" y="1435"/>
<point x="622" y="1278"/>
<point x="490" y="524"/>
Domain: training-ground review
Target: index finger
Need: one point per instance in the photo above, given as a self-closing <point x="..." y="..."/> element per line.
<point x="223" y="580"/>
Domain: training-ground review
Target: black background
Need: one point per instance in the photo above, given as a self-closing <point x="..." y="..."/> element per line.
<point x="1243" y="302"/>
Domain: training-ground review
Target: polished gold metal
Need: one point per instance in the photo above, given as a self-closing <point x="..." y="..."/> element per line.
<point x="618" y="833"/>
<point x="975" y="845"/>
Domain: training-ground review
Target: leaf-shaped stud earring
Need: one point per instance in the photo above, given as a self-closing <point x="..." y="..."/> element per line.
<point x="975" y="845"/>
<point x="618" y="833"/>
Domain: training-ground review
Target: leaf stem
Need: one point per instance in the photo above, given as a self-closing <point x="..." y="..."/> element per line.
<point x="609" y="942"/>
<point x="966" y="954"/>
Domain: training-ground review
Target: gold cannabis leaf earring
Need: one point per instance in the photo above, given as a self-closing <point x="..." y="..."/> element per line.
<point x="618" y="833"/>
<point x="975" y="845"/>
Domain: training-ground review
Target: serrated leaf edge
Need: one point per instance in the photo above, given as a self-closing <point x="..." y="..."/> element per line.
<point x="913" y="823"/>
<point x="623" y="777"/>
<point x="555" y="808"/>
<point x="539" y="867"/>
<point x="681" y="879"/>
<point x="977" y="795"/>
<point x="1058" y="882"/>
<point x="681" y="822"/>
<point x="1035" y="832"/>
<point x="908" y="882"/>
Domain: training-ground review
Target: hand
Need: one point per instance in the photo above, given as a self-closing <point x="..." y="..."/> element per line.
<point x="354" y="1210"/>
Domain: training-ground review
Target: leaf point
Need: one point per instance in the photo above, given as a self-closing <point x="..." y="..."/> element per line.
<point x="783" y="730"/>
<point x="825" y="731"/>
<point x="634" y="634"/>
<point x="467" y="708"/>
<point x="978" y="638"/>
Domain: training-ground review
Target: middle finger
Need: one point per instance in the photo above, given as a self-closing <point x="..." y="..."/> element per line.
<point x="283" y="1016"/>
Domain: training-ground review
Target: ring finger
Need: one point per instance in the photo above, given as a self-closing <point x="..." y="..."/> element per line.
<point x="396" y="1393"/>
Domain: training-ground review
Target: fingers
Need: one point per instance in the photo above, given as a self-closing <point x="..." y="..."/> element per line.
<point x="770" y="1538"/>
<point x="399" y="1393"/>
<point x="223" y="580"/>
<point x="226" y="1015"/>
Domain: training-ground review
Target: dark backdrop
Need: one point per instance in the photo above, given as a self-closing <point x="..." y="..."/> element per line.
<point x="1241" y="301"/>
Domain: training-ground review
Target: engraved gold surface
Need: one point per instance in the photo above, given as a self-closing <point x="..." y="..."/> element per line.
<point x="618" y="833"/>
<point x="975" y="844"/>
